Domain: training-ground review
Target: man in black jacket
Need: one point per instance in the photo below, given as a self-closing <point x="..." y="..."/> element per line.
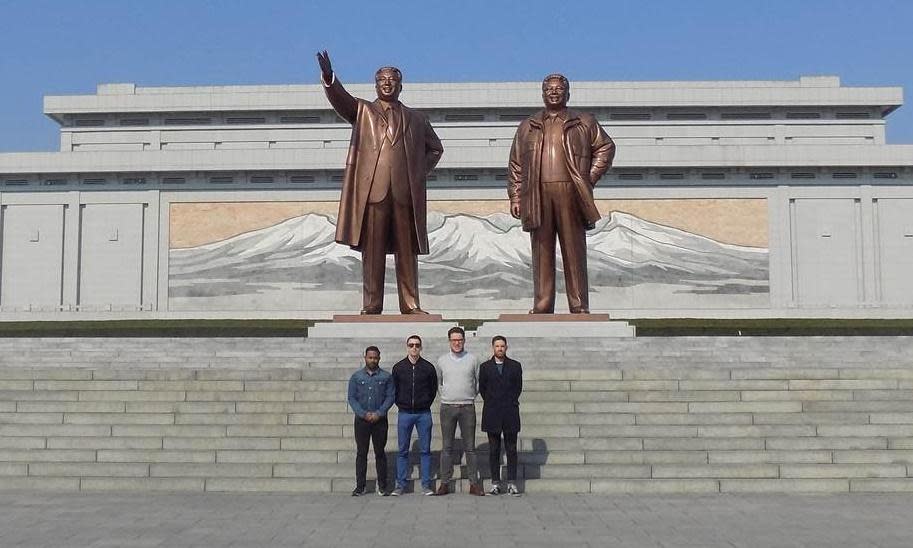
<point x="500" y="385"/>
<point x="415" y="381"/>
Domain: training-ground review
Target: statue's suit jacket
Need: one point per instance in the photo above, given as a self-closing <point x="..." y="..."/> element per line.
<point x="589" y="152"/>
<point x="423" y="150"/>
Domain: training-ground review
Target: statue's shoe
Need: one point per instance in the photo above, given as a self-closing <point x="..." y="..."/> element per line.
<point x="415" y="311"/>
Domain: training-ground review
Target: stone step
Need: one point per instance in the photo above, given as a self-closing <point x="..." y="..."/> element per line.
<point x="768" y="347"/>
<point x="695" y="379"/>
<point x="344" y="472"/>
<point x="602" y="486"/>
<point x="657" y="425"/>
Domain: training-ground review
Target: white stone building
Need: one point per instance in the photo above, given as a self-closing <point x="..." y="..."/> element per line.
<point x="125" y="220"/>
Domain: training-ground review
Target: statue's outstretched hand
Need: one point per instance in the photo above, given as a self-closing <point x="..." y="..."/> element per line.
<point x="326" y="68"/>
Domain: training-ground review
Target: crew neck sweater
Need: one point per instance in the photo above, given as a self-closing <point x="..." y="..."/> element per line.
<point x="458" y="375"/>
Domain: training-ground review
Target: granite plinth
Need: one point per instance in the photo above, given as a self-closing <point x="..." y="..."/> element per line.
<point x="555" y="325"/>
<point x="386" y="318"/>
<point x="553" y="318"/>
<point x="382" y="326"/>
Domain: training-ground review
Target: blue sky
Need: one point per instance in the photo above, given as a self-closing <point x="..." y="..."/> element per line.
<point x="67" y="47"/>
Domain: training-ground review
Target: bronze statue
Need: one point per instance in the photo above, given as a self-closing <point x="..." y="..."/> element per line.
<point x="556" y="159"/>
<point x="382" y="208"/>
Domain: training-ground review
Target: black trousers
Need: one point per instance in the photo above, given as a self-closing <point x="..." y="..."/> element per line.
<point x="375" y="433"/>
<point x="494" y="455"/>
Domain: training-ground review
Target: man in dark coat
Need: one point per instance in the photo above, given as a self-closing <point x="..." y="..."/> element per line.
<point x="500" y="385"/>
<point x="382" y="208"/>
<point x="415" y="385"/>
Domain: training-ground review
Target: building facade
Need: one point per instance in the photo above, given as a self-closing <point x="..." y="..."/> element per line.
<point x="727" y="199"/>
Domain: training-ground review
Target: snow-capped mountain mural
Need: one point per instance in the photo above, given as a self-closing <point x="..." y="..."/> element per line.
<point x="483" y="258"/>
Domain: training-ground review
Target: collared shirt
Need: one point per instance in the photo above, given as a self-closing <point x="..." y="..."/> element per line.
<point x="554" y="161"/>
<point x="370" y="392"/>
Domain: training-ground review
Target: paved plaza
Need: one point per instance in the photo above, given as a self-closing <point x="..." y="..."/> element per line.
<point x="253" y="520"/>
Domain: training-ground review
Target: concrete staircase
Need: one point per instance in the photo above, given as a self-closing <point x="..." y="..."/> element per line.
<point x="644" y="415"/>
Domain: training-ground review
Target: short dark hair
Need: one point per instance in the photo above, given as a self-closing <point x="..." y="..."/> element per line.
<point x="394" y="70"/>
<point x="410" y="337"/>
<point x="557" y="76"/>
<point x="456" y="329"/>
<point x="497" y="338"/>
<point x="372" y="348"/>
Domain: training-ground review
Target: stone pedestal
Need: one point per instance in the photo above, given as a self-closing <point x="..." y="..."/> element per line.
<point x="382" y="326"/>
<point x="555" y="325"/>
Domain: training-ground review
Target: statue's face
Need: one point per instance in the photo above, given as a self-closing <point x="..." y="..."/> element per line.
<point x="388" y="85"/>
<point x="555" y="94"/>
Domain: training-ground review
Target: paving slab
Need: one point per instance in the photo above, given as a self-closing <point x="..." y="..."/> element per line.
<point x="31" y="519"/>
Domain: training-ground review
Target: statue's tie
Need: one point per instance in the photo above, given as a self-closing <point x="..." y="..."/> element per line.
<point x="392" y="124"/>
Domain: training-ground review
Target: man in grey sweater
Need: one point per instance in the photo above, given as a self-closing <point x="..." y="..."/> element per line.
<point x="458" y="375"/>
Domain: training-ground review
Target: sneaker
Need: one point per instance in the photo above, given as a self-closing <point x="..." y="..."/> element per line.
<point x="396" y="492"/>
<point x="381" y="492"/>
<point x="512" y="490"/>
<point x="495" y="489"/>
<point x="427" y="491"/>
<point x="358" y="492"/>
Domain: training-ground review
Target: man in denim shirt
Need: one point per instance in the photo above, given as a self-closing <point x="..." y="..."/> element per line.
<point x="370" y="397"/>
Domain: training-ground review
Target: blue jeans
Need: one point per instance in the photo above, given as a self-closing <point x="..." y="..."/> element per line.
<point x="421" y="422"/>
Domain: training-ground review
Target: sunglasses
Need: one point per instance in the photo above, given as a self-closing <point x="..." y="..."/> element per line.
<point x="414" y="345"/>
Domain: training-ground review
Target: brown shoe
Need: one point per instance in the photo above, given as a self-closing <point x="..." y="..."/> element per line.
<point x="443" y="489"/>
<point x="475" y="489"/>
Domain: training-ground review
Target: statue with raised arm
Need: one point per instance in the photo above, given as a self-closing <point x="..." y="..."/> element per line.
<point x="382" y="208"/>
<point x="558" y="155"/>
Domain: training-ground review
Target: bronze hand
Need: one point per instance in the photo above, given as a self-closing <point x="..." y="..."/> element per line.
<point x="326" y="68"/>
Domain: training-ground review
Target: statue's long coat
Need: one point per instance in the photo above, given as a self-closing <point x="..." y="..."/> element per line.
<point x="423" y="151"/>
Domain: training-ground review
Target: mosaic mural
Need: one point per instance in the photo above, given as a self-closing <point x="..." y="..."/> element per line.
<point x="671" y="253"/>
